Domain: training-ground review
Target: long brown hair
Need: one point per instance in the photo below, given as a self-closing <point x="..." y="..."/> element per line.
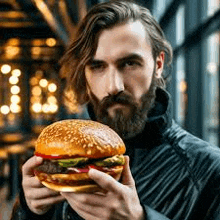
<point x="104" y="16"/>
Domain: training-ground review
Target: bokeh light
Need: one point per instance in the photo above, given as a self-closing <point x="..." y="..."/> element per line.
<point x="46" y="108"/>
<point x="15" y="108"/>
<point x="16" y="72"/>
<point x="15" y="90"/>
<point x="51" y="42"/>
<point x="13" y="80"/>
<point x="5" y="68"/>
<point x="36" y="91"/>
<point x="53" y="108"/>
<point x="52" y="100"/>
<point x="37" y="107"/>
<point x="5" y="109"/>
<point x="52" y="87"/>
<point x="15" y="99"/>
<point x="34" y="81"/>
<point x="43" y="83"/>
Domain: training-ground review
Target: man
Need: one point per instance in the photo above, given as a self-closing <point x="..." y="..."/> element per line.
<point x="116" y="66"/>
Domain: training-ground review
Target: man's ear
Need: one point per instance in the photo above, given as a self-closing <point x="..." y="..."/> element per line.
<point x="159" y="64"/>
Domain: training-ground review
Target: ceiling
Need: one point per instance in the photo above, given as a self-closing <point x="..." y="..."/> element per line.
<point x="32" y="19"/>
<point x="26" y="25"/>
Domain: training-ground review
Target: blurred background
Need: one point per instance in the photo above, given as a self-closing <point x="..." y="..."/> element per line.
<point x="33" y="37"/>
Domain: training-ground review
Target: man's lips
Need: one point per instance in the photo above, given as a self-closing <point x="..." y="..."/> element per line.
<point x="118" y="105"/>
<point x="112" y="108"/>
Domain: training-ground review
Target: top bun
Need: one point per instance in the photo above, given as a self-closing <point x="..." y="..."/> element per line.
<point x="77" y="137"/>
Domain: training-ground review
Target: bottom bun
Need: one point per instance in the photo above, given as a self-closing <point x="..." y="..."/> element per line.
<point x="75" y="189"/>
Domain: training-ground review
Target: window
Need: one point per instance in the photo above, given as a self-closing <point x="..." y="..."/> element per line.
<point x="181" y="88"/>
<point x="211" y="88"/>
<point x="180" y="25"/>
<point x="181" y="84"/>
<point x="159" y="8"/>
<point x="212" y="7"/>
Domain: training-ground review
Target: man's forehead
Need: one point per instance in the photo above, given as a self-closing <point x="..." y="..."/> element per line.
<point x="122" y="39"/>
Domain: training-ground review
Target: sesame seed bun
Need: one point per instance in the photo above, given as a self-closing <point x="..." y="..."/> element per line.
<point x="79" y="137"/>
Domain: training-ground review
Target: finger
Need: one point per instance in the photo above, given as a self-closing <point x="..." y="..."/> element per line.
<point x="85" y="206"/>
<point x="42" y="193"/>
<point x="104" y="180"/>
<point x="85" y="198"/>
<point x="30" y="165"/>
<point x="127" y="178"/>
<point x="31" y="182"/>
<point x="41" y="203"/>
<point x="87" y="211"/>
<point x="82" y="211"/>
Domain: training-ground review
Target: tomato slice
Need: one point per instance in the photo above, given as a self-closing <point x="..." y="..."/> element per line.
<point x="54" y="156"/>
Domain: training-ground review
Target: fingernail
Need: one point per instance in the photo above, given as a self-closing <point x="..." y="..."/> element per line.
<point x="39" y="159"/>
<point x="91" y="170"/>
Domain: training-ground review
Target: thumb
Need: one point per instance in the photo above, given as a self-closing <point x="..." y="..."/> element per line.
<point x="30" y="165"/>
<point x="127" y="178"/>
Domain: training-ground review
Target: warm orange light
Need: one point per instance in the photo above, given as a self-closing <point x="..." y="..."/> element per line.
<point x="36" y="91"/>
<point x="16" y="72"/>
<point x="52" y="87"/>
<point x="53" y="108"/>
<point x="15" y="90"/>
<point x="183" y="86"/>
<point x="12" y="51"/>
<point x="37" y="107"/>
<point x="52" y="100"/>
<point x="45" y="108"/>
<point x="43" y="83"/>
<point x="15" y="99"/>
<point x="13" y="41"/>
<point x="33" y="81"/>
<point x="11" y="117"/>
<point x="35" y="50"/>
<point x="51" y="42"/>
<point x="5" y="68"/>
<point x="15" y="108"/>
<point x="13" y="80"/>
<point x="37" y="42"/>
<point x="5" y="109"/>
<point x="35" y="99"/>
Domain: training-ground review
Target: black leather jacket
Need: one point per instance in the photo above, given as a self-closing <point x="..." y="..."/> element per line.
<point x="177" y="175"/>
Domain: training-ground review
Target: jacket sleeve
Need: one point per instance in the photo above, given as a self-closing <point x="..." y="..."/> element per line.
<point x="22" y="212"/>
<point x="151" y="214"/>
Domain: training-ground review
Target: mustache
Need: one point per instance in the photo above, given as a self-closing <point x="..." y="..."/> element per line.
<point x="119" y="98"/>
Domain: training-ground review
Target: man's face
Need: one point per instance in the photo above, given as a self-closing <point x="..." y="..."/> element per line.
<point x="120" y="76"/>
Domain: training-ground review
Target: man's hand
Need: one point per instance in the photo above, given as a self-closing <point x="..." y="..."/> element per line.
<point x="119" y="202"/>
<point x="39" y="198"/>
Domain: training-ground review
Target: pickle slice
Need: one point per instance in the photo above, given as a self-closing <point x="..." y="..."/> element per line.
<point x="72" y="162"/>
<point x="111" y="161"/>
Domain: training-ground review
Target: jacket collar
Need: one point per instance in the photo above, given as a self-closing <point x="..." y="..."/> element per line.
<point x="159" y="120"/>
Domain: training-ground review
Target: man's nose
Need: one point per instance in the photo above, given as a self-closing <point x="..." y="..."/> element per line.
<point x="114" y="82"/>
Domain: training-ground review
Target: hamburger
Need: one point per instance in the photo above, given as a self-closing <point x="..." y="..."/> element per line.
<point x="71" y="147"/>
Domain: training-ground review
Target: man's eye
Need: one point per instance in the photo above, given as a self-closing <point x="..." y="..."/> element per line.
<point x="129" y="64"/>
<point x="96" y="67"/>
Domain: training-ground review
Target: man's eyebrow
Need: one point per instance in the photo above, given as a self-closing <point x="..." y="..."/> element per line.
<point x="94" y="62"/>
<point x="132" y="56"/>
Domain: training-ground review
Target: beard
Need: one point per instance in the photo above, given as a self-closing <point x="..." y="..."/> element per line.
<point x="126" y="125"/>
